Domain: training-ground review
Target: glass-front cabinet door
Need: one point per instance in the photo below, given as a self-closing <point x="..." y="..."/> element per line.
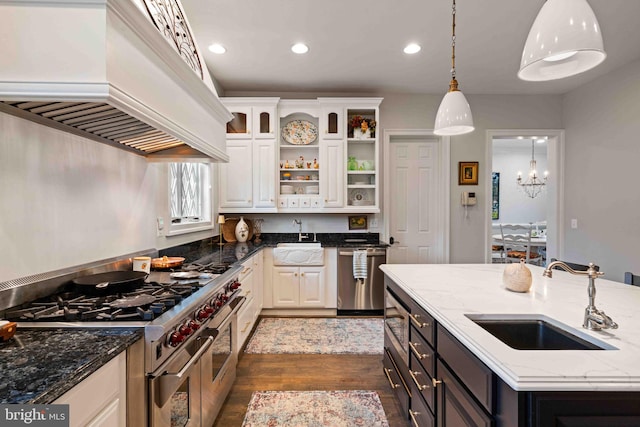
<point x="240" y="125"/>
<point x="264" y="121"/>
<point x="332" y="122"/>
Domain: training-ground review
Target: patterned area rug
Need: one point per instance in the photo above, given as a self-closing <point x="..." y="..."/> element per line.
<point x="355" y="408"/>
<point x="317" y="336"/>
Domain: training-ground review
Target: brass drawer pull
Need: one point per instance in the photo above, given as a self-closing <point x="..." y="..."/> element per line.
<point x="414" y="318"/>
<point x="413" y="417"/>
<point x="416" y="352"/>
<point x="391" y="383"/>
<point x="415" y="380"/>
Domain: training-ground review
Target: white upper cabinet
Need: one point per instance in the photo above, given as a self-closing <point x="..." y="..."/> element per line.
<point x="240" y="126"/>
<point x="264" y="121"/>
<point x="332" y="122"/>
<point x="307" y="155"/>
<point x="236" y="177"/>
<point x="264" y="177"/>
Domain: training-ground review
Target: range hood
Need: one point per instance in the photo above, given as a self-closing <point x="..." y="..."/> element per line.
<point x="102" y="70"/>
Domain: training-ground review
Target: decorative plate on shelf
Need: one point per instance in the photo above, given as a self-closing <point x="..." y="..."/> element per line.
<point x="300" y="132"/>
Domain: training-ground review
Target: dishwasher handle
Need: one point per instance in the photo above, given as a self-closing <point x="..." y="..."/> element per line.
<point x="370" y="252"/>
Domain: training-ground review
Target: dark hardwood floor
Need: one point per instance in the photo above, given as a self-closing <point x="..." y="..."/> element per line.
<point x="258" y="372"/>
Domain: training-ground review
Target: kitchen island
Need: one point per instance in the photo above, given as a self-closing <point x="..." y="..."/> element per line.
<point x="524" y="379"/>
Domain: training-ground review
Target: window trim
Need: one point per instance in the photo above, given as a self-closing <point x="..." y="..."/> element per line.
<point x="204" y="224"/>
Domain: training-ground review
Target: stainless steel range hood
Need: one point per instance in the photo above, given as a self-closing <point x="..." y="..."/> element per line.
<point x="102" y="70"/>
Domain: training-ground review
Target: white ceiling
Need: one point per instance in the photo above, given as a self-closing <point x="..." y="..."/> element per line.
<point x="356" y="45"/>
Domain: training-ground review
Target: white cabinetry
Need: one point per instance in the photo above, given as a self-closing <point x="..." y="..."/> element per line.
<point x="337" y="172"/>
<point x="251" y="279"/>
<point x="248" y="181"/>
<point x="236" y="190"/>
<point x="332" y="174"/>
<point x="298" y="287"/>
<point x="264" y="178"/>
<point x="100" y="399"/>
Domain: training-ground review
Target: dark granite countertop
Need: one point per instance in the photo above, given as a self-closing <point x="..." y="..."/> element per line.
<point x="40" y="365"/>
<point x="207" y="250"/>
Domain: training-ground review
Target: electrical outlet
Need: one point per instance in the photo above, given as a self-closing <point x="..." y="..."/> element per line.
<point x="160" y="227"/>
<point x="574" y="223"/>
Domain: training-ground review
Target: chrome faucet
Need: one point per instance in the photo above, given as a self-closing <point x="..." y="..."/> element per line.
<point x="594" y="319"/>
<point x="301" y="236"/>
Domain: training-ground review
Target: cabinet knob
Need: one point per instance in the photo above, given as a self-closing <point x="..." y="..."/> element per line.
<point x="295" y="274"/>
<point x="435" y="382"/>
<point x="302" y="274"/>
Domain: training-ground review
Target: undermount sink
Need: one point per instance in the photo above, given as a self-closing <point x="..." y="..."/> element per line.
<point x="535" y="332"/>
<point x="305" y="253"/>
<point x="299" y="245"/>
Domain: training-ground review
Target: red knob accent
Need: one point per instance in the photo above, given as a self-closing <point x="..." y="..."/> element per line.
<point x="185" y="330"/>
<point x="202" y="314"/>
<point x="194" y="325"/>
<point x="175" y="339"/>
<point x="209" y="309"/>
<point x="235" y="285"/>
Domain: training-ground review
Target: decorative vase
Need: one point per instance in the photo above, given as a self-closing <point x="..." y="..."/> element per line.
<point x="517" y="277"/>
<point x="358" y="134"/>
<point x="257" y="229"/>
<point x="242" y="231"/>
<point x="352" y="164"/>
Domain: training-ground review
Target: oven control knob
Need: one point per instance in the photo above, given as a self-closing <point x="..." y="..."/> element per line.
<point x="218" y="302"/>
<point x="175" y="339"/>
<point x="203" y="313"/>
<point x="235" y="285"/>
<point x="194" y="325"/>
<point x="224" y="298"/>
<point x="185" y="330"/>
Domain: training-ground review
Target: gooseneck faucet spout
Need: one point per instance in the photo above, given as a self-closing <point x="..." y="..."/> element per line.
<point x="594" y="319"/>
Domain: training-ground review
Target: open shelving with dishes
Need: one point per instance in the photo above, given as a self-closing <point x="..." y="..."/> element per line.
<point x="362" y="155"/>
<point x="299" y="164"/>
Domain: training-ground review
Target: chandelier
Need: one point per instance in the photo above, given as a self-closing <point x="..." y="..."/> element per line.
<point x="533" y="185"/>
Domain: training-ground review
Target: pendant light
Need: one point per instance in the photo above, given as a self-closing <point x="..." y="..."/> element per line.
<point x="564" y="40"/>
<point x="454" y="115"/>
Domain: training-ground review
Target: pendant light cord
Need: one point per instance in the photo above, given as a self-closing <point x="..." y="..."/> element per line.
<point x="453" y="85"/>
<point x="453" y="41"/>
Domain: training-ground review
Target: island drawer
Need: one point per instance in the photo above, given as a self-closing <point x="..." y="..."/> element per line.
<point x="474" y="374"/>
<point x="423" y="352"/>
<point x="423" y="322"/>
<point x="419" y="413"/>
<point x="395" y="381"/>
<point x="421" y="382"/>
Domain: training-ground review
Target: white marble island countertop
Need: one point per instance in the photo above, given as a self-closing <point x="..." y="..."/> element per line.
<point x="450" y="291"/>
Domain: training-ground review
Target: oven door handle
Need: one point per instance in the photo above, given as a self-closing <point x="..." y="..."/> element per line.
<point x="169" y="382"/>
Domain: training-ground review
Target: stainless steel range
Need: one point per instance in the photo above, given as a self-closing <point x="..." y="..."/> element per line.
<point x="189" y="321"/>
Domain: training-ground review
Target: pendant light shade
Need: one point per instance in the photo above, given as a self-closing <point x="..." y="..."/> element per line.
<point x="564" y="40"/>
<point x="454" y="114"/>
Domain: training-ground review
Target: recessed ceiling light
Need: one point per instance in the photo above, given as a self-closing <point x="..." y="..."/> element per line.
<point x="412" y="48"/>
<point x="217" y="48"/>
<point x="299" y="48"/>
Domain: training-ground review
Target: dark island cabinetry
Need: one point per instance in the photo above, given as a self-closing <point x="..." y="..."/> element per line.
<point x="440" y="382"/>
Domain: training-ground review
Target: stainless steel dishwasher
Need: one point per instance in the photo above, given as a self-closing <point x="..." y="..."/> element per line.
<point x="361" y="296"/>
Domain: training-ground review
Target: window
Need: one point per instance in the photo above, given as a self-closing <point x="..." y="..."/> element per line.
<point x="189" y="195"/>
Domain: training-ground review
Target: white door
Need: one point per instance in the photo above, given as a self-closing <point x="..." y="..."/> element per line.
<point x="414" y="196"/>
<point x="312" y="287"/>
<point x="286" y="282"/>
<point x="332" y="172"/>
<point x="264" y="177"/>
<point x="236" y="178"/>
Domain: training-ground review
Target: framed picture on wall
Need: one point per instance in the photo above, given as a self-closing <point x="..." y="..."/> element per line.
<point x="468" y="173"/>
<point x="495" y="195"/>
<point x="358" y="222"/>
